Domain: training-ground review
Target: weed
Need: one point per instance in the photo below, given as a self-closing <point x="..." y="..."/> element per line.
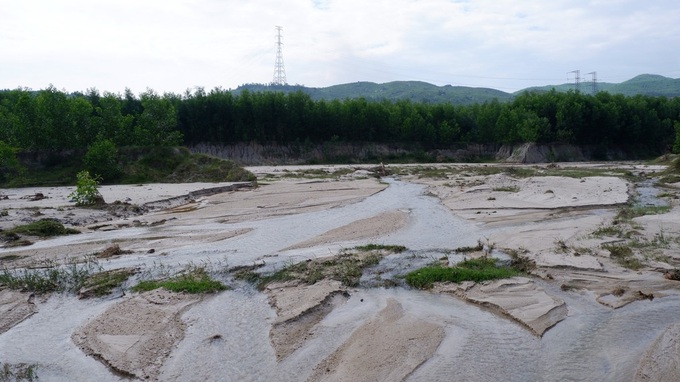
<point x="103" y="283"/>
<point x="346" y="267"/>
<point x="520" y="262"/>
<point x="623" y="255"/>
<point x="43" y="228"/>
<point x="51" y="276"/>
<point x="610" y="231"/>
<point x="470" y="270"/>
<point x="192" y="280"/>
<point x="506" y="189"/>
<point x="561" y="246"/>
<point x="4" y="213"/>
<point x="628" y="213"/>
<point x="477" y="248"/>
<point x="18" y="372"/>
<point x="376" y="247"/>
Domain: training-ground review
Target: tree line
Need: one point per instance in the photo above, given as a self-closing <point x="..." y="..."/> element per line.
<point x="50" y="119"/>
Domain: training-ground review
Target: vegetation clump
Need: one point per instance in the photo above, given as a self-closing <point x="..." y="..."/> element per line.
<point x="86" y="192"/>
<point x="347" y="267"/>
<point x="378" y="247"/>
<point x="50" y="276"/>
<point x="623" y="255"/>
<point x="42" y="228"/>
<point x="103" y="283"/>
<point x="194" y="280"/>
<point x="476" y="270"/>
<point x="18" y="372"/>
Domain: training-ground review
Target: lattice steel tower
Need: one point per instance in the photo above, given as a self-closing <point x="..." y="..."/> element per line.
<point x="594" y="82"/>
<point x="577" y="79"/>
<point x="279" y="69"/>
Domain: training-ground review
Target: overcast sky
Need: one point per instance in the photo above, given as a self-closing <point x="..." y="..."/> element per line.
<point x="175" y="45"/>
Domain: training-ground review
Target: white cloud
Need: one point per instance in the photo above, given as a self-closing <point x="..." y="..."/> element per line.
<point x="178" y="44"/>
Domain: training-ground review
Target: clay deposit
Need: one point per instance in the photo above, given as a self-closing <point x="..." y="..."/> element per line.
<point x="579" y="313"/>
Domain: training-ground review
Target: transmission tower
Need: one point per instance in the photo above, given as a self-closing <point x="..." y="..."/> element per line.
<point x="594" y="74"/>
<point x="279" y="69"/>
<point x="577" y="80"/>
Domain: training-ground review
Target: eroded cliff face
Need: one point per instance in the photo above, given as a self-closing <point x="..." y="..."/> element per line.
<point x="254" y="154"/>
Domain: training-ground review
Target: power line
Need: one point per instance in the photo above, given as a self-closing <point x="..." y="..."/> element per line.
<point x="594" y="81"/>
<point x="577" y="80"/>
<point x="279" y="69"/>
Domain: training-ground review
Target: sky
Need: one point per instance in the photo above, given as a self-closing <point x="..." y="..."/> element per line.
<point x="179" y="45"/>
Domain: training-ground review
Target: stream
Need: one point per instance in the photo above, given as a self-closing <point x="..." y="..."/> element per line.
<point x="227" y="335"/>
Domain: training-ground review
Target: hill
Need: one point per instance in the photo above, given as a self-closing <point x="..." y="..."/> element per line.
<point x="416" y="91"/>
<point x="644" y="84"/>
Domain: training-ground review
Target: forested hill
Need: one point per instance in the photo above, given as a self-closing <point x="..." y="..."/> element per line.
<point x="422" y="92"/>
<point x="415" y="91"/>
<point x="644" y="84"/>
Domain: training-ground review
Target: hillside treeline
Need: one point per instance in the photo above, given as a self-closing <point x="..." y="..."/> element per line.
<point x="52" y="119"/>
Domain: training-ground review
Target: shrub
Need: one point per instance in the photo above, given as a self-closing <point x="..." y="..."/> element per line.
<point x="86" y="192"/>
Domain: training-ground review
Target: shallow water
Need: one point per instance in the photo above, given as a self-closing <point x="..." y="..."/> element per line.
<point x="227" y="336"/>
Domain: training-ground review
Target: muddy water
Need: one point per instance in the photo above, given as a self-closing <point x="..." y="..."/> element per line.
<point x="228" y="337"/>
<point x="227" y="334"/>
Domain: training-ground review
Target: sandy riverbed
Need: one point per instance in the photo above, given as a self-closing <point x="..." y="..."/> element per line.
<point x="328" y="331"/>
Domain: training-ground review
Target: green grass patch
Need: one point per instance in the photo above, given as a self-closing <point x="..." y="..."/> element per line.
<point x="476" y="270"/>
<point x="194" y="280"/>
<point x="43" y="228"/>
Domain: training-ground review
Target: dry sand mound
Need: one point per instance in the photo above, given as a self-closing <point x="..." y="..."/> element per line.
<point x="135" y="336"/>
<point x="661" y="362"/>
<point x="378" y="225"/>
<point x="299" y="310"/>
<point x="388" y="347"/>
<point x="519" y="298"/>
<point x="14" y="308"/>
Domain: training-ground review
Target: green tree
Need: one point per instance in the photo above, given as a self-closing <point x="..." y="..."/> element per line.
<point x="101" y="159"/>
<point x="9" y="164"/>
<point x="157" y="124"/>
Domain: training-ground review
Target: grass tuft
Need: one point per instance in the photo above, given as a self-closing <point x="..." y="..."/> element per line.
<point x="43" y="228"/>
<point x="377" y="247"/>
<point x="623" y="255"/>
<point x="50" y="277"/>
<point x="103" y="283"/>
<point x="193" y="280"/>
<point x="476" y="270"/>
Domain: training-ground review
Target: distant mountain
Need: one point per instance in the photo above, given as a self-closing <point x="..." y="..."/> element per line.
<point x="644" y="84"/>
<point x="416" y="91"/>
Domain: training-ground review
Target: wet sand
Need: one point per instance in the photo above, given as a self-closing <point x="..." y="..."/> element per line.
<point x="321" y="331"/>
